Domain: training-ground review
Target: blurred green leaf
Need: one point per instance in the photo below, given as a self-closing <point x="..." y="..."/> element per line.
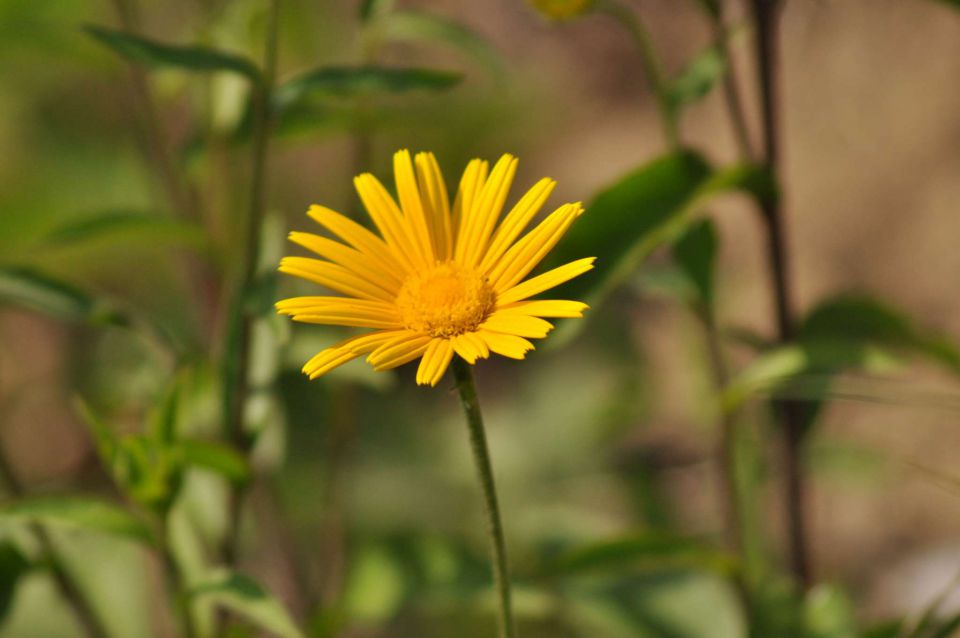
<point x="859" y="318"/>
<point x="189" y="58"/>
<point x="370" y="9"/>
<point x="887" y="629"/>
<point x="695" y="253"/>
<point x="13" y="565"/>
<point x="651" y="551"/>
<point x="217" y="458"/>
<point x="645" y="209"/>
<point x="829" y="613"/>
<point x="948" y="629"/>
<point x="363" y="80"/>
<point x="245" y="597"/>
<point x="78" y="512"/>
<point x="420" y="26"/>
<point x="711" y="7"/>
<point x="843" y="333"/>
<point x="127" y="225"/>
<point x="45" y="294"/>
<point x="697" y="78"/>
<point x="953" y="3"/>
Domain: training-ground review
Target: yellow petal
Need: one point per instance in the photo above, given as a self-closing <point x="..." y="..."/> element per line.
<point x="433" y="194"/>
<point x="520" y="325"/>
<point x="406" y="346"/>
<point x="413" y="211"/>
<point x="343" y="352"/>
<point x="510" y="346"/>
<point x="357" y="236"/>
<point x="546" y="281"/>
<point x="389" y="220"/>
<point x="350" y="259"/>
<point x="534" y="246"/>
<point x="340" y="311"/>
<point x="474" y="177"/>
<point x="479" y="220"/>
<point x="435" y="361"/>
<point x="546" y="308"/>
<point x="334" y="277"/>
<point x="516" y="220"/>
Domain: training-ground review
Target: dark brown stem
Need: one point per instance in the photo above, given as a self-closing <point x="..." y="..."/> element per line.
<point x="766" y="15"/>
<point x="92" y="626"/>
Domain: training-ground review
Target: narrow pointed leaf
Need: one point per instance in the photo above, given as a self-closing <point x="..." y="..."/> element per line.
<point x="697" y="78"/>
<point x="217" y="458"/>
<point x="126" y="226"/>
<point x="420" y="26"/>
<point x="43" y="293"/>
<point x="159" y="55"/>
<point x="78" y="512"/>
<point x="345" y="81"/>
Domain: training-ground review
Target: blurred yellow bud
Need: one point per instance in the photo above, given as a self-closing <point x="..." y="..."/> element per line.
<point x="561" y="9"/>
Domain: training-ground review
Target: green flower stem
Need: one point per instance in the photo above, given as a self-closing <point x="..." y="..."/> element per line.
<point x="652" y="65"/>
<point x="92" y="626"/>
<point x="481" y="456"/>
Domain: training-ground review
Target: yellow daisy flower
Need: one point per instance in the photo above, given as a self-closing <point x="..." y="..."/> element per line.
<point x="440" y="279"/>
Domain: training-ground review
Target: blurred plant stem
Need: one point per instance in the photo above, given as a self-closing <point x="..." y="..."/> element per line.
<point x="177" y="584"/>
<point x="652" y="65"/>
<point x="731" y="91"/>
<point x="766" y="14"/>
<point x="70" y="591"/>
<point x="237" y="372"/>
<point x="463" y="373"/>
<point x="157" y="154"/>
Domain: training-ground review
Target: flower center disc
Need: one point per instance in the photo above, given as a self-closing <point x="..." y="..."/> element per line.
<point x="446" y="301"/>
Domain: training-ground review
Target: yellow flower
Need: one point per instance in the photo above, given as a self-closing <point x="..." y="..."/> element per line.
<point x="440" y="279"/>
<point x="561" y="9"/>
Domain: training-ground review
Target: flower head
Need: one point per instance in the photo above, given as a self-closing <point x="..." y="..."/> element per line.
<point x="561" y="9"/>
<point x="440" y="279"/>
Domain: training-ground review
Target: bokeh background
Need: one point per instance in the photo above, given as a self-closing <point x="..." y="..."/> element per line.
<point x="366" y="521"/>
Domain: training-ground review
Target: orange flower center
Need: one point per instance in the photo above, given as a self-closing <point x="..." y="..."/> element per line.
<point x="446" y="301"/>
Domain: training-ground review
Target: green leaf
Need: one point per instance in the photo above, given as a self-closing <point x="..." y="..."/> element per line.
<point x="651" y="551"/>
<point x="421" y="26"/>
<point x="697" y="78"/>
<point x="216" y="458"/>
<point x="710" y="7"/>
<point x="13" y="565"/>
<point x="245" y="597"/>
<point x="645" y="209"/>
<point x="695" y="253"/>
<point x="42" y="293"/>
<point x="189" y="58"/>
<point x="886" y="629"/>
<point x="78" y="512"/>
<point x="953" y="3"/>
<point x="857" y="318"/>
<point x="843" y="333"/>
<point x="127" y="225"/>
<point x="362" y="80"/>
<point x="370" y="9"/>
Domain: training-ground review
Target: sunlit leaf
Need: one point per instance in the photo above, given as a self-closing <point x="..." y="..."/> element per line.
<point x="246" y="598"/>
<point x="13" y="565"/>
<point x="215" y="457"/>
<point x="45" y="294"/>
<point x="363" y="80"/>
<point x="78" y="512"/>
<point x="189" y="58"/>
<point x="420" y="26"/>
